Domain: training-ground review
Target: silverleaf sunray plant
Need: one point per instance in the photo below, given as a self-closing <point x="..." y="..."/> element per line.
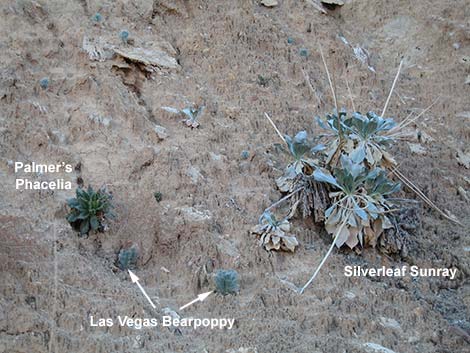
<point x="360" y="198"/>
<point x="351" y="165"/>
<point x="274" y="233"/>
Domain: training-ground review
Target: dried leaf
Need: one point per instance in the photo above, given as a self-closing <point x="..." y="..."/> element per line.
<point x="342" y="237"/>
<point x="370" y="236"/>
<point x="353" y="239"/>
<point x="289" y="243"/>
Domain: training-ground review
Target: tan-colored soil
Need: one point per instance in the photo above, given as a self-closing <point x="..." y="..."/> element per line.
<point x="235" y="59"/>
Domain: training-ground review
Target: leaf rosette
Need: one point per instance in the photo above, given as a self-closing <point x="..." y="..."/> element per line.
<point x="359" y="199"/>
<point x="274" y="234"/>
<point x="89" y="210"/>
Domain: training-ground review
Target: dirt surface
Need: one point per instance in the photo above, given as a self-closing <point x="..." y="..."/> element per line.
<point x="238" y="59"/>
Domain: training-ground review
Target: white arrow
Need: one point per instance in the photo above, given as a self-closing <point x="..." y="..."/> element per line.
<point x="135" y="279"/>
<point x="199" y="298"/>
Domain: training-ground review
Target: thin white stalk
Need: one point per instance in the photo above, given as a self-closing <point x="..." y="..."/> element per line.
<point x="418" y="192"/>
<point x="393" y="87"/>
<point x="404" y="120"/>
<point x="309" y="84"/>
<point x="420" y="114"/>
<point x="329" y="79"/>
<point x="350" y="94"/>
<point x="275" y="128"/>
<point x="327" y="254"/>
<point x="283" y="199"/>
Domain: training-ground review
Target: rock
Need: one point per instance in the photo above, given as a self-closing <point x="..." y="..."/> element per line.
<point x="150" y="57"/>
<point x="269" y="3"/>
<point x="98" y="119"/>
<point x="391" y="323"/>
<point x="170" y="312"/>
<point x="463" y="159"/>
<point x="461" y="191"/>
<point x="242" y="350"/>
<point x="333" y="2"/>
<point x="215" y="157"/>
<point x="97" y="49"/>
<point x="467" y="80"/>
<point x="171" y="110"/>
<point x="161" y="132"/>
<point x="463" y="115"/>
<point x="192" y="214"/>
<point x="376" y="348"/>
<point x="194" y="174"/>
<point x="417" y="148"/>
<point x="57" y="137"/>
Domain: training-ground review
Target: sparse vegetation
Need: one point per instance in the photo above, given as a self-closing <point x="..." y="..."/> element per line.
<point x="158" y="196"/>
<point x="192" y="114"/>
<point x="274" y="234"/>
<point x="124" y="35"/>
<point x="263" y="80"/>
<point x="90" y="210"/>
<point x="226" y="282"/>
<point x="97" y="17"/>
<point x="44" y="82"/>
<point x="127" y="258"/>
<point x="341" y="177"/>
<point x="303" y="52"/>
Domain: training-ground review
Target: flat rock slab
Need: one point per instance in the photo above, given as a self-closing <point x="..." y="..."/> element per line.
<point x="376" y="348"/>
<point x="148" y="57"/>
<point x="269" y="3"/>
<point x="333" y="2"/>
<point x="151" y="54"/>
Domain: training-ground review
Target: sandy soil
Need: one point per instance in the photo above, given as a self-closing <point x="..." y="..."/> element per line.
<point x="239" y="59"/>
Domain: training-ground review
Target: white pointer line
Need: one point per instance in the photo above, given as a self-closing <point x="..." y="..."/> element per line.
<point x="199" y="298"/>
<point x="135" y="279"/>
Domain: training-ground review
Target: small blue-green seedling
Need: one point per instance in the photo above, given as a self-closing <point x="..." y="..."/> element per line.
<point x="226" y="282"/>
<point x="245" y="154"/>
<point x="97" y="17"/>
<point x="158" y="196"/>
<point x="127" y="257"/>
<point x="124" y="35"/>
<point x="303" y="52"/>
<point x="290" y="40"/>
<point x="44" y="82"/>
